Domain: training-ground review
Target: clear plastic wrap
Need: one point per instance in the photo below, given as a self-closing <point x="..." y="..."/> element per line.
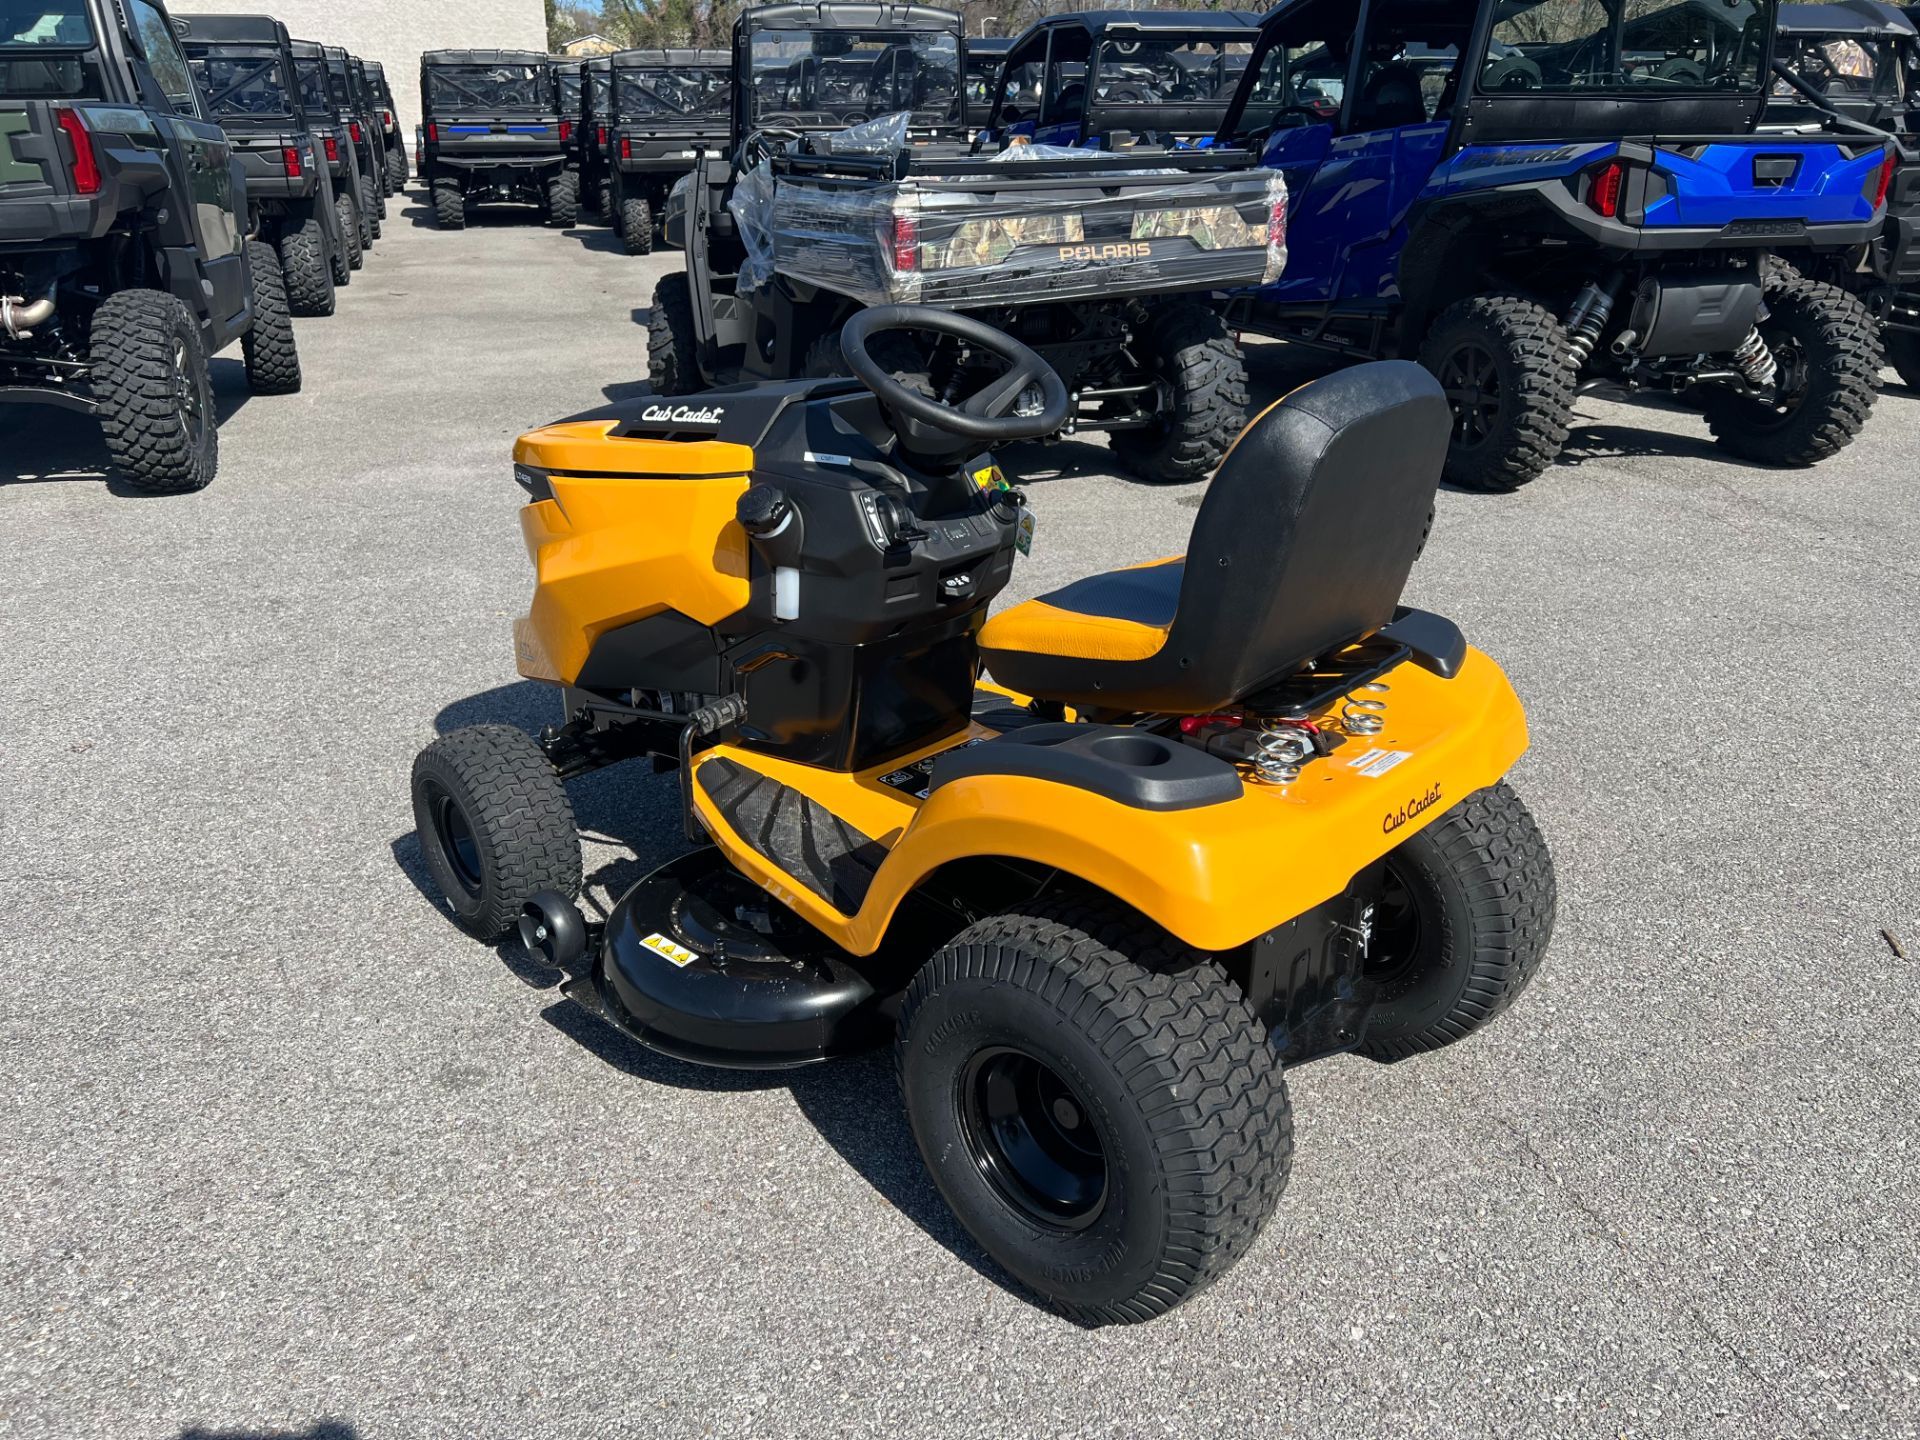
<point x="989" y="235"/>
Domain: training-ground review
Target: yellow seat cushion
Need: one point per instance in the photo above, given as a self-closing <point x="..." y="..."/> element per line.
<point x="1120" y="615"/>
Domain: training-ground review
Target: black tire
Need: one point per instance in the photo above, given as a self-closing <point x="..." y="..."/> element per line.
<point x="272" y="357"/>
<point x="606" y="201"/>
<point x="636" y="225"/>
<point x="1189" y="350"/>
<point x="337" y="262"/>
<point x="1507" y="367"/>
<point x="371" y="208"/>
<point x="347" y="210"/>
<point x="1903" y="353"/>
<point x="673" y="348"/>
<point x="1175" y="1137"/>
<point x="149" y="371"/>
<point x="449" y="205"/>
<point x="303" y="261"/>
<point x="397" y="171"/>
<point x="1827" y="345"/>
<point x="563" y="200"/>
<point x="495" y="825"/>
<point x="1463" y="927"/>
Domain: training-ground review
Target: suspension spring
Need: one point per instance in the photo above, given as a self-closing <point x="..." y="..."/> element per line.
<point x="1362" y="716"/>
<point x="1587" y="319"/>
<point x="1755" y="361"/>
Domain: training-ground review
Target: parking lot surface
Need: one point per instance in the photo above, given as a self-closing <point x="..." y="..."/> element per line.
<point x="281" y="1150"/>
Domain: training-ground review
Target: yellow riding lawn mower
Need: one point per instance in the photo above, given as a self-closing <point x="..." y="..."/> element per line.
<point x="1197" y="822"/>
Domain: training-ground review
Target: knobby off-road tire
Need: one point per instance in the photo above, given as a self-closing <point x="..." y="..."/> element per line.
<point x="605" y="202"/>
<point x="1903" y="353"/>
<point x="1463" y="926"/>
<point x="563" y="200"/>
<point x="495" y="825"/>
<point x="371" y="206"/>
<point x="449" y="205"/>
<point x="396" y="172"/>
<point x="1504" y="362"/>
<point x="156" y="397"/>
<point x="273" y="359"/>
<point x="636" y="225"/>
<point x="673" y="348"/>
<point x="303" y="260"/>
<point x="1141" y="1064"/>
<point x="1830" y="342"/>
<point x="347" y="210"/>
<point x="1189" y="349"/>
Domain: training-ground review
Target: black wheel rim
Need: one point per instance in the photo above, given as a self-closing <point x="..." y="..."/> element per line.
<point x="186" y="386"/>
<point x="1032" y="1139"/>
<point x="1396" y="948"/>
<point x="454" y="834"/>
<point x="1471" y="377"/>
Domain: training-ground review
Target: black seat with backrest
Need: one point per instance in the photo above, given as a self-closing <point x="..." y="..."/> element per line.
<point x="1391" y="98"/>
<point x="1302" y="545"/>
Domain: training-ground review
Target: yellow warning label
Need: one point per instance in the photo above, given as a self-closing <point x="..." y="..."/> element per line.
<point x="674" y="954"/>
<point x="988" y="477"/>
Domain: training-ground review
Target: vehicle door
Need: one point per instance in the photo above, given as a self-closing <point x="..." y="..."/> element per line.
<point x="204" y="170"/>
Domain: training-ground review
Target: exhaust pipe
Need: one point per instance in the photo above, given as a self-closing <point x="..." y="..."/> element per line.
<point x="553" y="929"/>
<point x="20" y="319"/>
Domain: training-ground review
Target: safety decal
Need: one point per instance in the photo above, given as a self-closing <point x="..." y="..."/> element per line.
<point x="676" y="955"/>
<point x="1376" y="763"/>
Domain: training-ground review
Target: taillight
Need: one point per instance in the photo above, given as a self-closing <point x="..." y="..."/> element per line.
<point x="566" y="131"/>
<point x="291" y="158"/>
<point x="433" y="134"/>
<point x="353" y="129"/>
<point x="1604" y="196"/>
<point x="86" y="169"/>
<point x="333" y="150"/>
<point x="1885" y="182"/>
<point x="906" y="244"/>
<point x="626" y="149"/>
<point x="600" y="137"/>
<point x="1277" y="223"/>
<point x="386" y="119"/>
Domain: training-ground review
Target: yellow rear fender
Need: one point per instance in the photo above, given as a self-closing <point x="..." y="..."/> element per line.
<point x="1216" y="875"/>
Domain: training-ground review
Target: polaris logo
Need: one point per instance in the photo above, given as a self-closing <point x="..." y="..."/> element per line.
<point x="683" y="415"/>
<point x="1134" y="250"/>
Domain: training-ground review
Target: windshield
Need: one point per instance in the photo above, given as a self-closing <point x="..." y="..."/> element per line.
<point x="1622" y="46"/>
<point x="486" y="87"/>
<point x="242" y="86"/>
<point x="312" y="75"/>
<point x="569" y="94"/>
<point x="44" y="22"/>
<point x="1169" y="71"/>
<point x="1842" y="67"/>
<point x="835" y="78"/>
<point x="675" y="92"/>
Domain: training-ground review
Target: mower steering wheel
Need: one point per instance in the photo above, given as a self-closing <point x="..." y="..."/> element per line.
<point x="981" y="416"/>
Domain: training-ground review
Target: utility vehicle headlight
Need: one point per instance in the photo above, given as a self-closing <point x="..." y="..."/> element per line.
<point x="988" y="242"/>
<point x="1211" y="227"/>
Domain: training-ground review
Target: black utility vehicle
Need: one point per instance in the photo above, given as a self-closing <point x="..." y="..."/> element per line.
<point x="244" y="64"/>
<point x="569" y="80"/>
<point x="596" y="138"/>
<point x="668" y="106"/>
<point x="1856" y="64"/>
<point x="124" y="258"/>
<point x="986" y="57"/>
<point x="495" y="134"/>
<point x="331" y="126"/>
<point x="396" y="145"/>
<point x="343" y="81"/>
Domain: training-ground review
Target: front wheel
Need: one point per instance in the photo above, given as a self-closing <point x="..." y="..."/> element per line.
<point x="495" y="825"/>
<point x="636" y="224"/>
<point x="272" y="358"/>
<point x="1506" y="365"/>
<point x="303" y="260"/>
<point x="673" y="347"/>
<point x="1826" y="345"/>
<point x="1099" y="1106"/>
<point x="1192" y="355"/>
<point x="156" y="397"/>
<point x="347" y="210"/>
<point x="1461" y="926"/>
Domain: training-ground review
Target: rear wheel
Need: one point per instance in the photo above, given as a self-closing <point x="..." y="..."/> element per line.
<point x="636" y="224"/>
<point x="1505" y="364"/>
<point x="156" y="398"/>
<point x="449" y="205"/>
<point x="1190" y="351"/>
<point x="397" y="171"/>
<point x="372" y="207"/>
<point x="273" y="360"/>
<point x="303" y="260"/>
<point x="1098" y="1105"/>
<point x="563" y="200"/>
<point x="347" y="210"/>
<point x="606" y="201"/>
<point x="673" y="347"/>
<point x="1462" y="926"/>
<point x="1827" y="347"/>
<point x="495" y="826"/>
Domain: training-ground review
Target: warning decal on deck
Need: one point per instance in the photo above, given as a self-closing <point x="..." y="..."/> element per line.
<point x="675" y="954"/>
<point x="1376" y="763"/>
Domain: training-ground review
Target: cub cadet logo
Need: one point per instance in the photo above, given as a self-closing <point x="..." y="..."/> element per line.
<point x="1412" y="810"/>
<point x="1132" y="250"/>
<point x="684" y="414"/>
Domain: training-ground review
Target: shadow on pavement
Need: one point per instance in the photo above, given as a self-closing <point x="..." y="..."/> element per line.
<point x="47" y="445"/>
<point x="319" y="1430"/>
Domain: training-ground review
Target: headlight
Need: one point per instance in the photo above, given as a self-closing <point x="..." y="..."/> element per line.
<point x="988" y="242"/>
<point x="1211" y="227"/>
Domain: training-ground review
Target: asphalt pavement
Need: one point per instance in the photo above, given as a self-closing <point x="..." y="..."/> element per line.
<point x="283" y="1152"/>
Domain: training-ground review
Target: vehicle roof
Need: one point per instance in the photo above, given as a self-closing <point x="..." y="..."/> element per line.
<point x="1152" y="21"/>
<point x="567" y="62"/>
<point x="989" y="44"/>
<point x="375" y="67"/>
<point x="309" y="50"/>
<point x="848" y="14"/>
<point x="230" y="29"/>
<point x="484" y="57"/>
<point x="1844" y="17"/>
<point x="644" y="59"/>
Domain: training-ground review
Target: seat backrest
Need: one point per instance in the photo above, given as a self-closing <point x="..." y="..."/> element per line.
<point x="1390" y="98"/>
<point x="1309" y="530"/>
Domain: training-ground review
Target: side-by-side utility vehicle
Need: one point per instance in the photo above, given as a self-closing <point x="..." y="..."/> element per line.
<point x="980" y="70"/>
<point x="854" y="182"/>
<point x="596" y="136"/>
<point x="244" y="64"/>
<point x="124" y="257"/>
<point x="1536" y="197"/>
<point x="332" y="127"/>
<point x="394" y="142"/>
<point x="569" y="84"/>
<point x="495" y="135"/>
<point x="1210" y="818"/>
<point x="668" y="108"/>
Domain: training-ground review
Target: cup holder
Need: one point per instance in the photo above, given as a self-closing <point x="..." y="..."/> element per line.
<point x="1136" y="752"/>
